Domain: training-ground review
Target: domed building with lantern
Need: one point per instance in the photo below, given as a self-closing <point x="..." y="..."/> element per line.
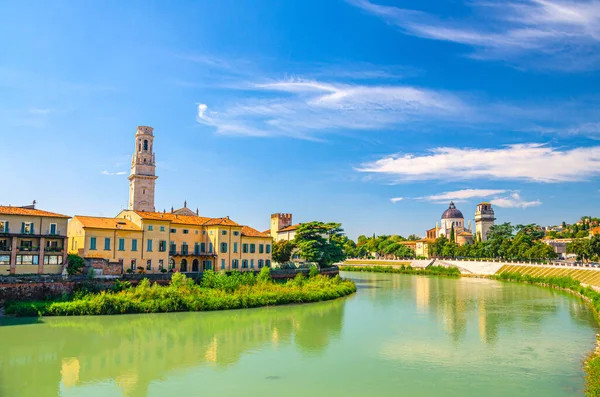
<point x="454" y="221"/>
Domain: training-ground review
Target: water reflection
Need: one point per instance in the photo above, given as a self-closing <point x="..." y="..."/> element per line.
<point x="133" y="351"/>
<point x="490" y="306"/>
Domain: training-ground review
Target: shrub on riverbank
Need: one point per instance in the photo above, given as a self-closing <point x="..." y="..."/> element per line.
<point x="216" y="292"/>
<point x="427" y="271"/>
<point x="592" y="365"/>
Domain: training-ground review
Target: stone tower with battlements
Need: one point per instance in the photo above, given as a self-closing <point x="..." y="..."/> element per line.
<point x="278" y="222"/>
<point x="484" y="220"/>
<point x="142" y="179"/>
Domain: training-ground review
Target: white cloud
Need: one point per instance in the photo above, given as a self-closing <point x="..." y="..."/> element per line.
<point x="463" y="194"/>
<point x="514" y="201"/>
<point x="526" y="162"/>
<point x="396" y="199"/>
<point x="539" y="33"/>
<point x="114" y="173"/>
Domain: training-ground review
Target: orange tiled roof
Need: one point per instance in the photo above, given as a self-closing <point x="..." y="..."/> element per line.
<point x="8" y="210"/>
<point x="268" y="231"/>
<point x="185" y="219"/>
<point x="250" y="232"/>
<point x="221" y="221"/>
<point x="595" y="230"/>
<point x="95" y="222"/>
<point x="173" y="218"/>
<point x="426" y="240"/>
<point x="290" y="228"/>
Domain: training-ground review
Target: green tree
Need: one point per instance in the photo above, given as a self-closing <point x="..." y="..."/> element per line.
<point x="438" y="246"/>
<point x="594" y="246"/>
<point x="452" y="234"/>
<point x="413" y="237"/>
<point x="320" y="242"/>
<point x="75" y="264"/>
<point x="581" y="248"/>
<point x="282" y="251"/>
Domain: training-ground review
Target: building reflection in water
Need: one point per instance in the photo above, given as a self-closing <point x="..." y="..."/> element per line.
<point x="133" y="351"/>
<point x="489" y="304"/>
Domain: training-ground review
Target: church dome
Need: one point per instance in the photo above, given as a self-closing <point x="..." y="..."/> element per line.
<point x="452" y="212"/>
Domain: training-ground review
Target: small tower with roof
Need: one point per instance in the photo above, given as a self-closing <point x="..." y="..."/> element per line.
<point x="484" y="220"/>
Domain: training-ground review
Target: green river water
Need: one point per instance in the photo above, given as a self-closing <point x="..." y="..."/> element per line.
<point x="397" y="336"/>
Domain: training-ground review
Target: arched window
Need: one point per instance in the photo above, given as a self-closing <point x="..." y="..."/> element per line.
<point x="171" y="263"/>
<point x="183" y="266"/>
<point x="145" y="144"/>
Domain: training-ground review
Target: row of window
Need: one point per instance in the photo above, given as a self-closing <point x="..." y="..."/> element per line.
<point x="32" y="260"/>
<point x="162" y="244"/>
<point x="246" y="264"/>
<point x="27" y="228"/>
<point x="198" y="247"/>
<point x="186" y="231"/>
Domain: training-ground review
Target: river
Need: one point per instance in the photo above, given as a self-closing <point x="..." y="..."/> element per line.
<point x="399" y="335"/>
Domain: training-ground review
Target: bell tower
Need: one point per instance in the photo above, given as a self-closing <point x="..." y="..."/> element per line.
<point x="142" y="179"/>
<point x="484" y="220"/>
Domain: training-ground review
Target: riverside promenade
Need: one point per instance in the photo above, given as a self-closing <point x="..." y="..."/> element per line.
<point x="586" y="274"/>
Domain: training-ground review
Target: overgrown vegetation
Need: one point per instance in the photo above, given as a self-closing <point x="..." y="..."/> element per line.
<point x="75" y="264"/>
<point x="217" y="291"/>
<point x="592" y="365"/>
<point x="427" y="271"/>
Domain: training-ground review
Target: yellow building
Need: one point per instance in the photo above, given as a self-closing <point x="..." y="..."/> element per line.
<point x="108" y="241"/>
<point x="32" y="241"/>
<point x="420" y="247"/>
<point x="154" y="241"/>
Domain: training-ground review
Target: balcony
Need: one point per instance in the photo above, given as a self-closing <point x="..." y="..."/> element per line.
<point x="53" y="249"/>
<point x="28" y="249"/>
<point x="187" y="253"/>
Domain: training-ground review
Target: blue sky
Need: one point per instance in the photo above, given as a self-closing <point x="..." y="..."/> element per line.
<point x="373" y="114"/>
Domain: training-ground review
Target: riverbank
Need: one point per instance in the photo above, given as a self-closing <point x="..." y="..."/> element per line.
<point x="215" y="292"/>
<point x="590" y="295"/>
<point x="428" y="271"/>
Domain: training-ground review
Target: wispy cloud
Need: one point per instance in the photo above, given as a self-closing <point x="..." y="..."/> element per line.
<point x="463" y="194"/>
<point x="396" y="199"/>
<point x="532" y="162"/>
<point x="40" y="111"/>
<point x="501" y="197"/>
<point x="534" y="33"/>
<point x="114" y="173"/>
<point x="305" y="108"/>
<point x="514" y="201"/>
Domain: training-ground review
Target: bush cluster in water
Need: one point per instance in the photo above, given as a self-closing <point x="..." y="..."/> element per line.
<point x="592" y="365"/>
<point x="431" y="270"/>
<point x="216" y="291"/>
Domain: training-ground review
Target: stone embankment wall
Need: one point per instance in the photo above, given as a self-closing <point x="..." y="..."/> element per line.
<point x="389" y="262"/>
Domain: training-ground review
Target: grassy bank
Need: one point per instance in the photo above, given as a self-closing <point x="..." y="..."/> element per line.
<point x="376" y="262"/>
<point x="592" y="364"/>
<point x="215" y="292"/>
<point x="428" y="271"/>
